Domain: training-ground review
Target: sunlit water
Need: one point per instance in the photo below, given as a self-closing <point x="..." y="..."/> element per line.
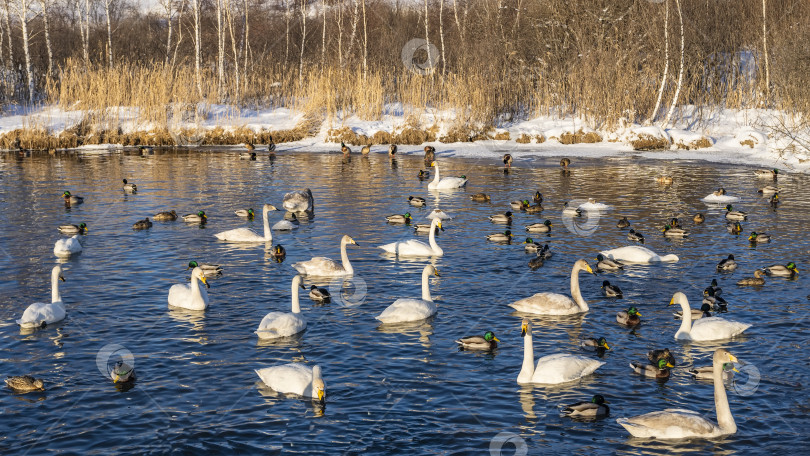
<point x="389" y="391"/>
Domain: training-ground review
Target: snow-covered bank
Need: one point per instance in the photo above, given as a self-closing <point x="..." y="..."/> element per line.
<point x="754" y="137"/>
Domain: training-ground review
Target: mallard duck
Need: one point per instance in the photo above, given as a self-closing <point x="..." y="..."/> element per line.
<point x="777" y="270"/>
<point x="733" y="215"/>
<point x="707" y="372"/>
<point x="122" y="372"/>
<point x="532" y="246"/>
<point x="665" y="354"/>
<point x="705" y="311"/>
<point x="278" y="252"/>
<point x="623" y="223"/>
<point x="199" y="217"/>
<point x="629" y="317"/>
<point x="146" y="150"/>
<point x="596" y="408"/>
<point x="25" y="383"/>
<point x="538" y="197"/>
<point x="365" y="150"/>
<point x="734" y="228"/>
<point x="81" y="228"/>
<point x="669" y="231"/>
<point x="507" y="160"/>
<point x="755" y="281"/>
<point x="245" y="213"/>
<point x="319" y="294"/>
<point x="544" y="227"/>
<point x="545" y="253"/>
<point x="250" y="147"/>
<point x="611" y="291"/>
<point x="424" y="228"/>
<point x="480" y="198"/>
<point x="536" y="209"/>
<point x="345" y="149"/>
<point x="769" y="190"/>
<point x="536" y="262"/>
<point x="714" y="300"/>
<point x="506" y="218"/>
<point x="72" y="199"/>
<point x="564" y="163"/>
<point x="571" y="211"/>
<point x="715" y="287"/>
<point x="165" y="216"/>
<point x="699" y="218"/>
<point x="635" y="236"/>
<point x="675" y="223"/>
<point x="392" y="150"/>
<point x="247" y="155"/>
<point x="595" y="344"/>
<point x="128" y="187"/>
<point x="606" y="264"/>
<point x="519" y="205"/>
<point x="665" y="180"/>
<point x="767" y="173"/>
<point x="719" y="192"/>
<point x="430" y="154"/>
<point x="659" y="371"/>
<point x="142" y="224"/>
<point x="423" y="174"/>
<point x="759" y="238"/>
<point x="486" y="342"/>
<point x="417" y="201"/>
<point x="774" y="201"/>
<point x="506" y="236"/>
<point x="397" y="218"/>
<point x="209" y="270"/>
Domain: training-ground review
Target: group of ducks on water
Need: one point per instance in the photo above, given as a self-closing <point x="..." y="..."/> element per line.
<point x="296" y="378"/>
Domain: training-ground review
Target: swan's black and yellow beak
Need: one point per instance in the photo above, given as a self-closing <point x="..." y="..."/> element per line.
<point x="62" y="278"/>
<point x="588" y="268"/>
<point x="202" y="278"/>
<point x="321" y="395"/>
<point x="523" y="329"/>
<point x="436" y="272"/>
<point x="671" y="301"/>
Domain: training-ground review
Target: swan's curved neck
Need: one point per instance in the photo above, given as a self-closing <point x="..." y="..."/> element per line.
<point x="575" y="292"/>
<point x="55" y="296"/>
<point x="686" y="319"/>
<point x="268" y="235"/>
<point x="426" y="284"/>
<point x="432" y="236"/>
<point x="195" y="288"/>
<point x="527" y="371"/>
<point x="344" y="257"/>
<point x="296" y="305"/>
<point x="724" y="419"/>
<point x="436" y="178"/>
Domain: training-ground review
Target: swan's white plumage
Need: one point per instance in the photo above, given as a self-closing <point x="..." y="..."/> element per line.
<point x="248" y="235"/>
<point x="38" y="313"/>
<point x="190" y="296"/>
<point x="638" y="254"/>
<point x="447" y="182"/>
<point x="719" y="199"/>
<point x="327" y="267"/>
<point x="282" y="324"/>
<point x="300" y="201"/>
<point x="67" y="246"/>
<point x="410" y="309"/>
<point x="554" y="303"/>
<point x="294" y="378"/>
<point x="284" y="225"/>
<point x="552" y="369"/>
<point x="710" y="328"/>
<point x="413" y="247"/>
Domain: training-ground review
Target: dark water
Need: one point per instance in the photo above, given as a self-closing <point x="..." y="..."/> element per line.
<point x="402" y="391"/>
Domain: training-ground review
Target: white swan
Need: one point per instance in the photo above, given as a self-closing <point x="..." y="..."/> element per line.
<point x="592" y="205"/>
<point x="282" y="324"/>
<point x="39" y="313"/>
<point x="710" y="328"/>
<point x="447" y="182"/>
<point x="190" y="296"/>
<point x="301" y="201"/>
<point x="294" y="378"/>
<point x="327" y="267"/>
<point x="67" y="246"/>
<point x="439" y="214"/>
<point x="412" y="247"/>
<point x="714" y="198"/>
<point x="638" y="254"/>
<point x="551" y="369"/>
<point x="286" y="225"/>
<point x="409" y="309"/>
<point x="248" y="235"/>
<point x="680" y="423"/>
<point x="554" y="303"/>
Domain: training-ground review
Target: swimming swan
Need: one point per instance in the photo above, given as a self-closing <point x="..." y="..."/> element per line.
<point x="326" y="267"/>
<point x="282" y="324"/>
<point x="447" y="182"/>
<point x="711" y="328"/>
<point x="551" y="369"/>
<point x="638" y="254"/>
<point x="412" y="247"/>
<point x="409" y="309"/>
<point x="557" y="304"/>
<point x="300" y="201"/>
<point x="248" y="235"/>
<point x="67" y="247"/>
<point x="40" y="314"/>
<point x="190" y="296"/>
<point x="294" y="378"/>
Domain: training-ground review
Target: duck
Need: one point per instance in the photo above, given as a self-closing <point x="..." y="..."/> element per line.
<point x="535" y="209"/>
<point x="629" y="317"/>
<point x="713" y="328"/>
<point x="64" y="248"/>
<point x="536" y="262"/>
<point x="130" y="187"/>
<point x="699" y="218"/>
<point x="122" y="372"/>
<point x="199" y="217"/>
<point x="571" y="211"/>
<point x="719" y="197"/>
<point x="707" y="372"/>
<point x="774" y="200"/>
<point x="414" y="247"/>
<point x="545" y="253"/>
<point x="345" y="149"/>
<point x="611" y="291"/>
<point x="565" y="162"/>
<point x="392" y="150"/>
<point x="165" y="216"/>
<point x="759" y="238"/>
<point x="669" y="231"/>
<point x="249" y="213"/>
<point x="733" y="215"/>
<point x="81" y="228"/>
<point x="538" y="197"/>
<point x="680" y="423"/>
<point x="544" y="227"/>
<point x="246" y="234"/>
<point x="190" y="296"/>
<point x="447" y="182"/>
<point x="665" y="180"/>
<point x="659" y="371"/>
<point x="480" y="198"/>
<point x="146" y="150"/>
<point x="295" y="378"/>
<point x="719" y="192"/>
<point x="557" y="304"/>
<point x="551" y="369"/>
<point x="72" y="199"/>
<point x="519" y="205"/>
<point x="756" y="281"/>
<point x="25" y="383"/>
<point x="777" y="270"/>
<point x="727" y="264"/>
<point x="247" y="155"/>
<point x="142" y="224"/>
<point x="595" y="344"/>
<point x="596" y="408"/>
<point x="405" y="310"/>
<point x="715" y="287"/>
<point x="209" y="270"/>
<point x="506" y="236"/>
<point x="623" y="223"/>
<point x="486" y="342"/>
<point x="507" y="160"/>
<point x="635" y="236"/>
<point x="767" y="173"/>
<point x="714" y="300"/>
<point x="655" y="355"/>
<point x="299" y="201"/>
<point x="39" y="314"/>
<point x="769" y="190"/>
<point x="430" y="154"/>
<point x="365" y="150"/>
<point x="278" y="252"/>
<point x="606" y="264"/>
<point x="425" y="228"/>
<point x="531" y="246"/>
<point x="327" y="267"/>
<point x="697" y="314"/>
<point x="417" y="201"/>
<point x="639" y="255"/>
<point x="674" y="223"/>
<point x="423" y="174"/>
<point x="276" y="325"/>
<point x="506" y="218"/>
<point x="319" y="294"/>
<point x="404" y="218"/>
<point x="287" y="225"/>
<point x="734" y="228"/>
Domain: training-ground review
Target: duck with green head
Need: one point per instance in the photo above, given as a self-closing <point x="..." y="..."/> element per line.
<point x="81" y="228"/>
<point x="506" y="236"/>
<point x="669" y="231"/>
<point x="245" y="213"/>
<point x="404" y="218"/>
<point x="759" y="238"/>
<point x="210" y="270"/>
<point x="544" y="227"/>
<point x="774" y="201"/>
<point x="606" y="264"/>
<point x="629" y="317"/>
<point x="199" y="217"/>
<point x="277" y="252"/>
<point x="72" y="199"/>
<point x="734" y="228"/>
<point x="596" y="408"/>
<point x="733" y="215"/>
<point x="777" y="270"/>
<point x="486" y="342"/>
<point x="595" y="344"/>
<point x="659" y="371"/>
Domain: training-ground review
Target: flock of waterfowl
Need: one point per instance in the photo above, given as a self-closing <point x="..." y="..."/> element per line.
<point x="295" y="378"/>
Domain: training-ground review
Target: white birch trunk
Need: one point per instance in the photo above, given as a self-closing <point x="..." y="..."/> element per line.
<point x="109" y="32"/>
<point x="323" y="36"/>
<point x="427" y="38"/>
<point x="458" y="23"/>
<point x="7" y="15"/>
<point x="236" y="74"/>
<point x="340" y="32"/>
<point x="246" y="45"/>
<point x="179" y="32"/>
<point x="765" y="50"/>
<point x="220" y="50"/>
<point x="680" y="72"/>
<point x="86" y="35"/>
<point x="355" y="20"/>
<point x="303" y="41"/>
<point x="441" y="36"/>
<point x="365" y="42"/>
<point x="46" y="22"/>
<point x="23" y="7"/>
<point x="666" y="66"/>
<point x="197" y="54"/>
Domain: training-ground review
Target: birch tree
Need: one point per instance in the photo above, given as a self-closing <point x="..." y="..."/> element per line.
<point x="229" y="17"/>
<point x="195" y="4"/>
<point x="303" y="41"/>
<point x="6" y="16"/>
<point x="287" y="16"/>
<point x="107" y="4"/>
<point x="168" y="8"/>
<point x="46" y="8"/>
<point x="680" y="72"/>
<point x="666" y="64"/>
<point x="220" y="50"/>
<point x="323" y="36"/>
<point x="365" y="42"/>
<point x="765" y="50"/>
<point x="23" y="9"/>
<point x="441" y="35"/>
